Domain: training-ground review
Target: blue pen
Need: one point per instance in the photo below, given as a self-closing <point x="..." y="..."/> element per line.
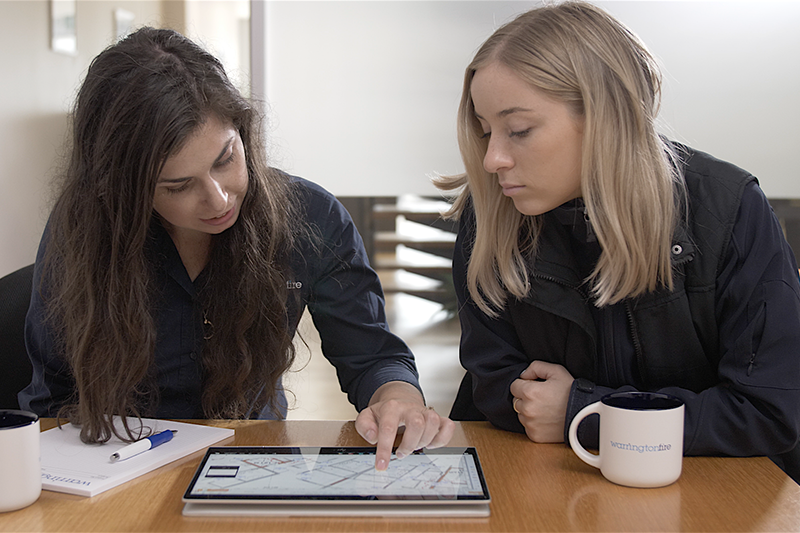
<point x="147" y="443"/>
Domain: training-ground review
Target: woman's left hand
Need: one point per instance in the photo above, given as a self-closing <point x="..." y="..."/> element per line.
<point x="541" y="395"/>
<point x="397" y="404"/>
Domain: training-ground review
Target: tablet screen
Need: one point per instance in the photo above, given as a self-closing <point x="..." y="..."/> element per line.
<point x="305" y="473"/>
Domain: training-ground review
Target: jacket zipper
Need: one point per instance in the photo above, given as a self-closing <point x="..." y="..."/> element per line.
<point x="563" y="283"/>
<point x="637" y="344"/>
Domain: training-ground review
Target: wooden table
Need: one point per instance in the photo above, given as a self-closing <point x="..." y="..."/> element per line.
<point x="534" y="487"/>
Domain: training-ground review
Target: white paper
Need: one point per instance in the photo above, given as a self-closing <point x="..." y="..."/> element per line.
<point x="70" y="466"/>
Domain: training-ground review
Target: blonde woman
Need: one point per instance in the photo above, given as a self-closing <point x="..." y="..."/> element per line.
<point x="594" y="255"/>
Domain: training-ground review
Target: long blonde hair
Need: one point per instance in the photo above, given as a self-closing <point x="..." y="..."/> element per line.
<point x="578" y="54"/>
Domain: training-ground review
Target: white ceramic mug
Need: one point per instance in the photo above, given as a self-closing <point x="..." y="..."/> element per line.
<point x="641" y="438"/>
<point x="20" y="462"/>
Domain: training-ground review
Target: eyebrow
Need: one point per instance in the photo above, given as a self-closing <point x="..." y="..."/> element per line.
<point x="509" y="111"/>
<point x="217" y="160"/>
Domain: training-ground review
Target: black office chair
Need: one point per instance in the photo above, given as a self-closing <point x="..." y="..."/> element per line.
<point x="15" y="367"/>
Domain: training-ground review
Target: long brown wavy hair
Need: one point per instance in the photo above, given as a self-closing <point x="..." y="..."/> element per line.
<point x="141" y="100"/>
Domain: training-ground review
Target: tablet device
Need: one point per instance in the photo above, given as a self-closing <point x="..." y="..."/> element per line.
<point x="263" y="480"/>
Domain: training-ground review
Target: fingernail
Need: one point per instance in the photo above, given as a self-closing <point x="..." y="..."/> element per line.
<point x="400" y="455"/>
<point x="371" y="437"/>
<point x="381" y="464"/>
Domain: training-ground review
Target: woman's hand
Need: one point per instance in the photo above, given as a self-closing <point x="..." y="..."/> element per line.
<point x="397" y="404"/>
<point x="541" y="395"/>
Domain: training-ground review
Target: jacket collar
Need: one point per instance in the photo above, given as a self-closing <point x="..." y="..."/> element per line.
<point x="555" y="258"/>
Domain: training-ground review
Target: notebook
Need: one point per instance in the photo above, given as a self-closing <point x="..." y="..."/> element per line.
<point x="69" y="465"/>
<point x="342" y="481"/>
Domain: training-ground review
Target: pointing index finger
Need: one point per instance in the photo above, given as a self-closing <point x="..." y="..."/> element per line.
<point x="387" y="430"/>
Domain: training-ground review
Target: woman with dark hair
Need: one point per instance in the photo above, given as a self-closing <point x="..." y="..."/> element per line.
<point x="176" y="264"/>
<point x="594" y="255"/>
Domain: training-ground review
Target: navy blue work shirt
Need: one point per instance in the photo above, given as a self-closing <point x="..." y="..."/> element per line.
<point x="334" y="281"/>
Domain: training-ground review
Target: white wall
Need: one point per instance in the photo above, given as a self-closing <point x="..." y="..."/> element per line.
<point x="732" y="77"/>
<point x="222" y="27"/>
<point x="363" y="95"/>
<point x="37" y="87"/>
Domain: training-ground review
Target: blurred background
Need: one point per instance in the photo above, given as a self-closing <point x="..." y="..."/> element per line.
<point x="361" y="97"/>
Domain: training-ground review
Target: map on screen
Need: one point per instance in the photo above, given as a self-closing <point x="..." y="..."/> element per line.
<point x="336" y="473"/>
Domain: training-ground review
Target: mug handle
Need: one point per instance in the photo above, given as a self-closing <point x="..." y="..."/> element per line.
<point x="580" y="451"/>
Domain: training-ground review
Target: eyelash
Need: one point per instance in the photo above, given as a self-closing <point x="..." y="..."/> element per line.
<point x="519" y="134"/>
<point x="178" y="189"/>
<point x="227" y="161"/>
<point x="185" y="186"/>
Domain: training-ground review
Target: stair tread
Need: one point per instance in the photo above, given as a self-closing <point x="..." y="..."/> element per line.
<point x="410" y="280"/>
<point x="392" y="237"/>
<point x="404" y="287"/>
<point x="415" y="216"/>
<point x="415" y="208"/>
<point x="434" y="263"/>
<point x="390" y="289"/>
<point x="420" y="270"/>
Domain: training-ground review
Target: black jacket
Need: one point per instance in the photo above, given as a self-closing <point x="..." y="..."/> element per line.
<point x="726" y="340"/>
